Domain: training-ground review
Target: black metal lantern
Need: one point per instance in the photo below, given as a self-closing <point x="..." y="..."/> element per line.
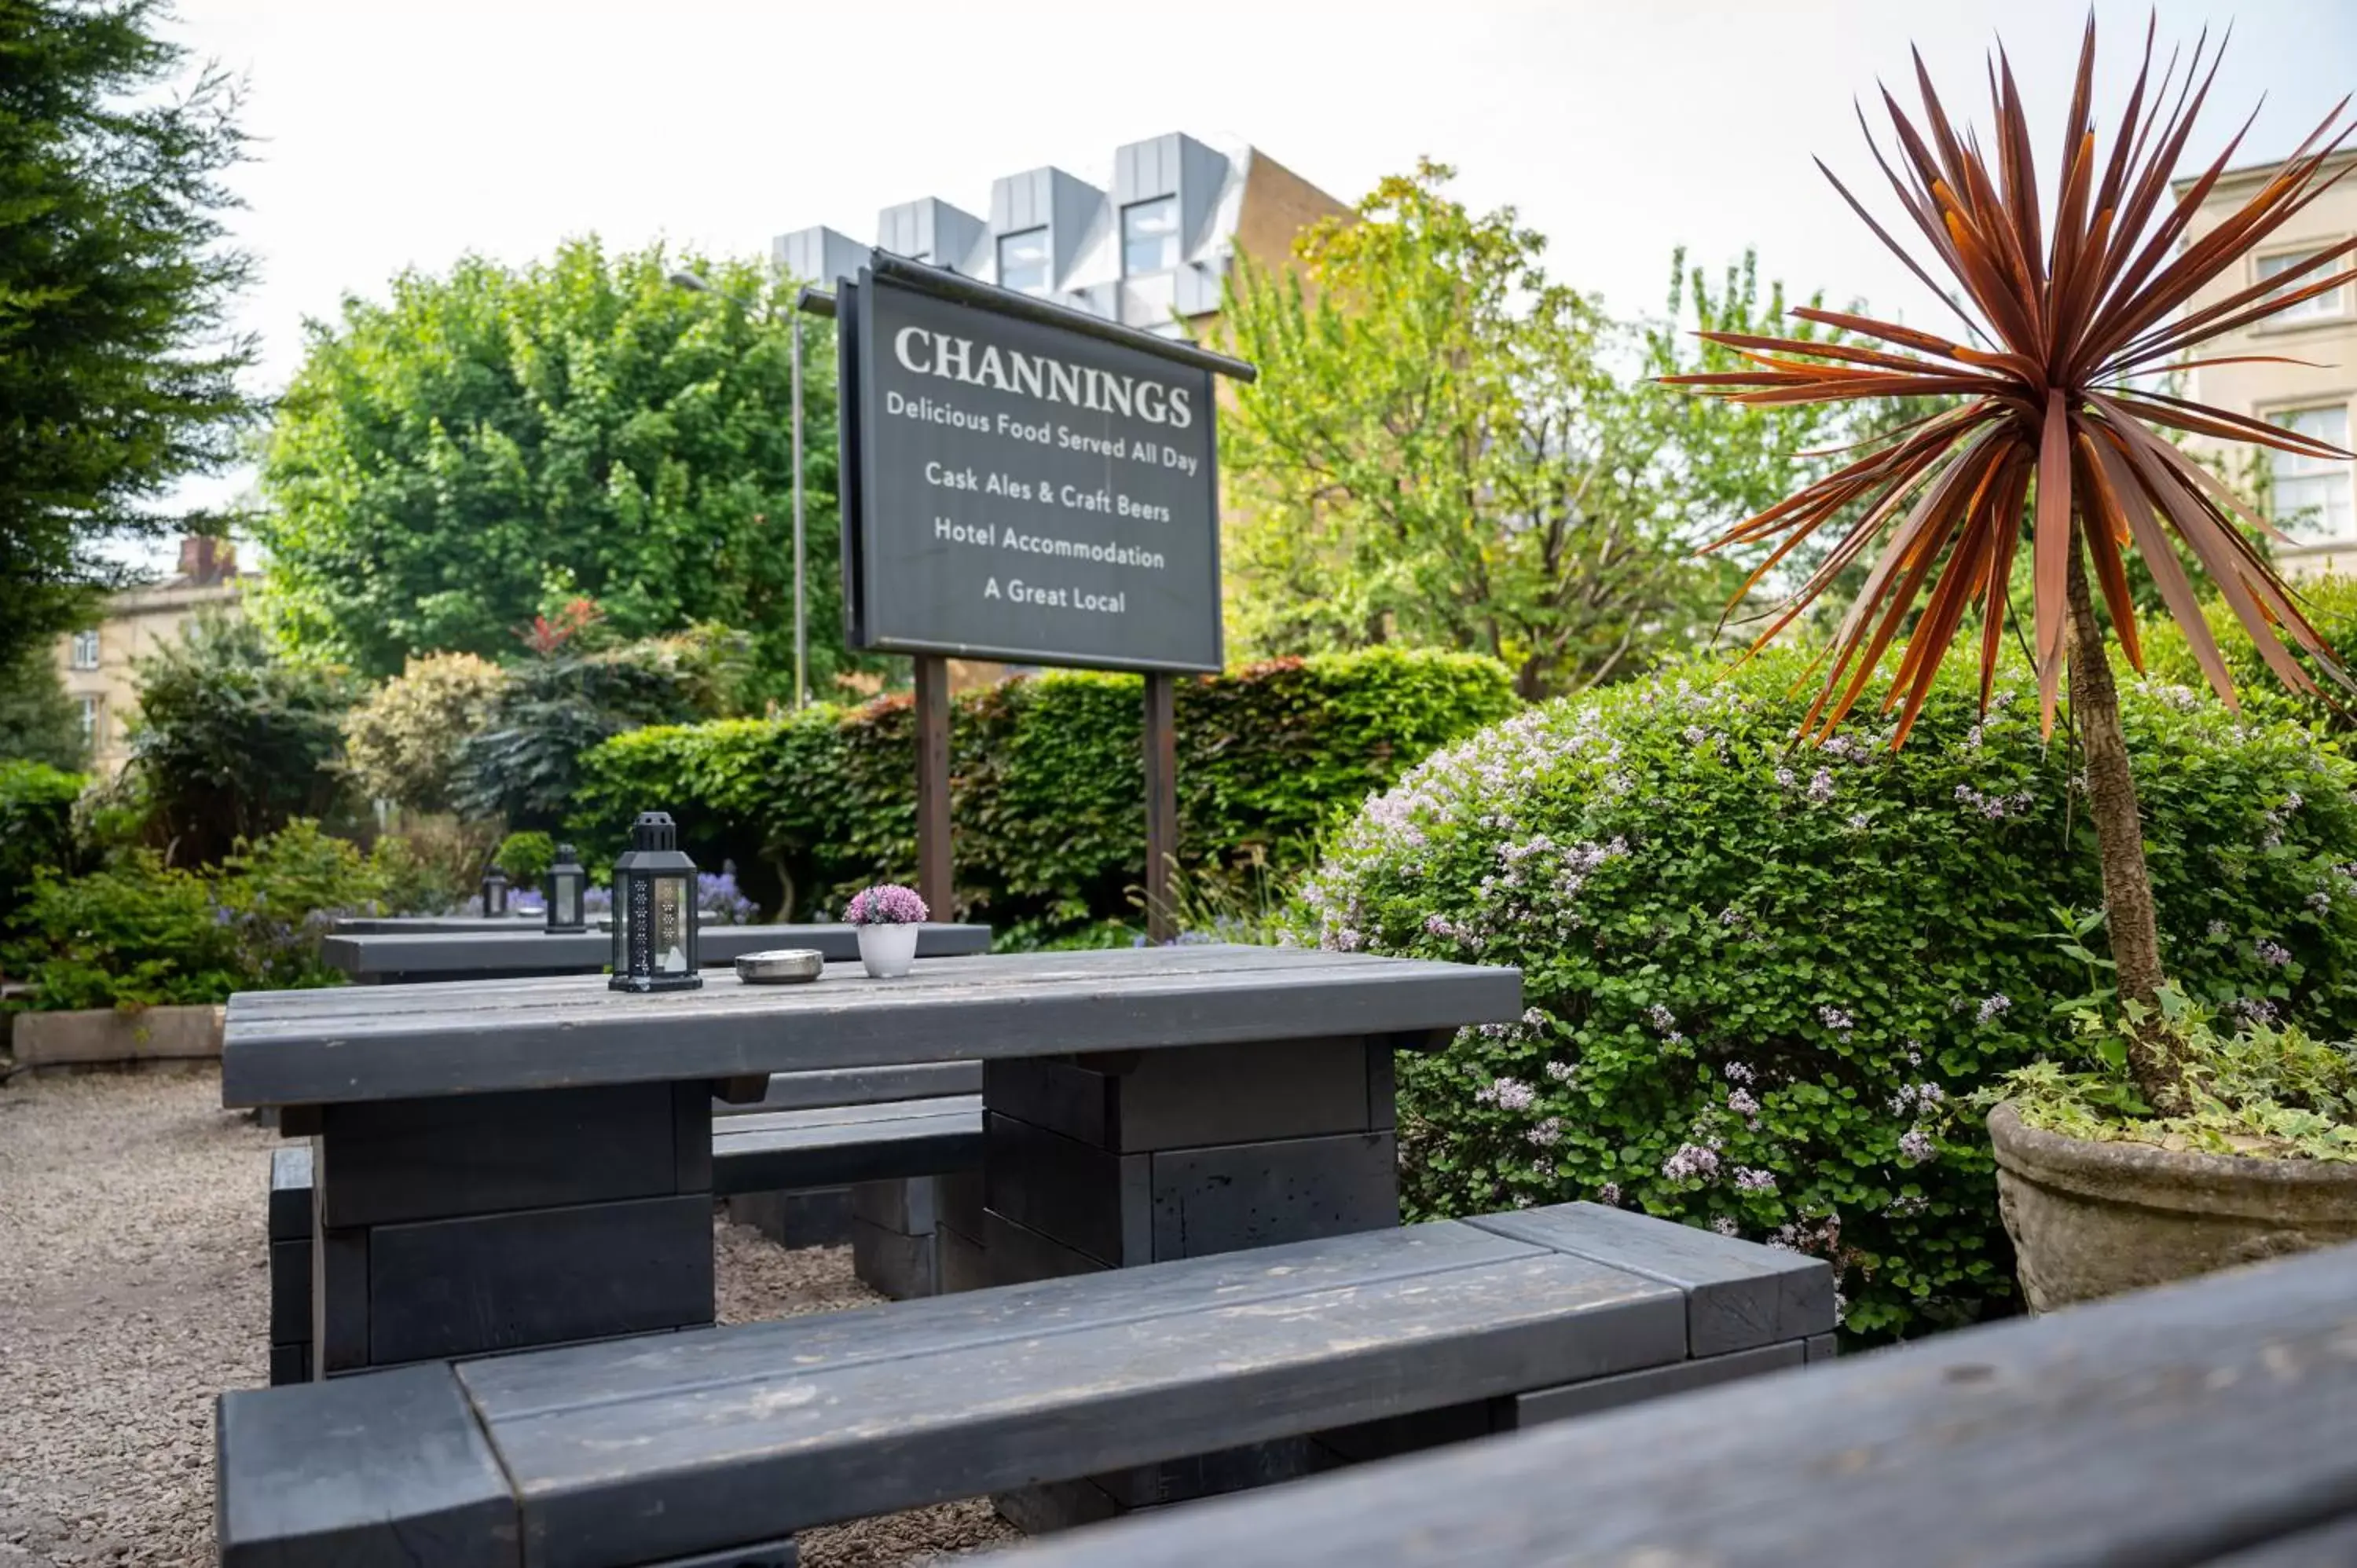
<point x="495" y="893"/>
<point x="654" y="910"/>
<point x="567" y="888"/>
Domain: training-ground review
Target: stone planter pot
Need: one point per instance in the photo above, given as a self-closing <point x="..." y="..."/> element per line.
<point x="104" y="1034"/>
<point x="2092" y="1219"/>
<point x="887" y="951"/>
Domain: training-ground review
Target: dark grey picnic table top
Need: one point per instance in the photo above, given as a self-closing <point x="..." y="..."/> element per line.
<point x="493" y="949"/>
<point x="345" y="1045"/>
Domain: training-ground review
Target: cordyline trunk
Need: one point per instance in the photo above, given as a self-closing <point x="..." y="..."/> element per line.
<point x="2119" y="833"/>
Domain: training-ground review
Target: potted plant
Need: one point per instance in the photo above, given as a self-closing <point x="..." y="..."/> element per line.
<point x="2047" y="439"/>
<point x="888" y="916"/>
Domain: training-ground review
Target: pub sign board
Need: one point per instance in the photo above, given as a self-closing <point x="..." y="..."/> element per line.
<point x="1020" y="490"/>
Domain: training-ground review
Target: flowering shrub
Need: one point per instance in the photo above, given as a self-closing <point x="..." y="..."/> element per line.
<point x="889" y="904"/>
<point x="719" y="900"/>
<point x="1757" y="975"/>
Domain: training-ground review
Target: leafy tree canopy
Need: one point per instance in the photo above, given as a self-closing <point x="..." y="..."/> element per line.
<point x="37" y="720"/>
<point x="1448" y="447"/>
<point x="115" y="377"/>
<point x="492" y="443"/>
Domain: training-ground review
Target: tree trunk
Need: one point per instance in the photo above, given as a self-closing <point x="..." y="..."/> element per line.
<point x="2119" y="833"/>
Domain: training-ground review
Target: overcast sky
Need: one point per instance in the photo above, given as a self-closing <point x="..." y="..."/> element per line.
<point x="393" y="134"/>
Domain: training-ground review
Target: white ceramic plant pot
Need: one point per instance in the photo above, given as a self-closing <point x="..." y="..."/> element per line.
<point x="887" y="951"/>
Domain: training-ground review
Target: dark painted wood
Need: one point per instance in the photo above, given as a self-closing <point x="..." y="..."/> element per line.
<point x="740" y="1433"/>
<point x="935" y="857"/>
<point x="789" y="1149"/>
<point x="340" y="1301"/>
<point x="458" y="1287"/>
<point x="1241" y="1093"/>
<point x="691" y="1137"/>
<point x="1740" y="1294"/>
<point x="290" y="1363"/>
<point x="1372" y="1440"/>
<point x="384" y="1472"/>
<point x="1543" y="1405"/>
<point x="813" y="1218"/>
<point x="910" y="1207"/>
<point x="290" y="1291"/>
<point x="1161" y="803"/>
<point x="960" y="1199"/>
<point x="485" y="1154"/>
<point x="1256" y="1195"/>
<point x="1383" y="1085"/>
<point x="410" y="956"/>
<point x="963" y="1264"/>
<point x="1087" y="1198"/>
<point x="2213" y="1422"/>
<point x="859" y="1086"/>
<point x="291" y="1048"/>
<point x="894" y="1262"/>
<point x="1012" y="1255"/>
<point x="290" y="1193"/>
<point x="1821" y="1347"/>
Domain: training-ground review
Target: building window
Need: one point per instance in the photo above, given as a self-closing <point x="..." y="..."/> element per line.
<point x="2324" y="307"/>
<point x="2312" y="494"/>
<point x="1149" y="236"/>
<point x="92" y="715"/>
<point x="85" y="650"/>
<point x="1023" y="261"/>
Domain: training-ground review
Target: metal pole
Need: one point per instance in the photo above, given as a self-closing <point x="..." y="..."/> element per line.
<point x="802" y="631"/>
<point x="935" y="867"/>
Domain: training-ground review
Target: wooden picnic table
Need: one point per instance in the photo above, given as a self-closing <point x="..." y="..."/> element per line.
<point x="493" y="950"/>
<point x="507" y="1163"/>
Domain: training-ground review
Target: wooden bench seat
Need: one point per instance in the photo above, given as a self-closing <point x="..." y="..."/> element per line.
<point x="839" y="1137"/>
<point x="2212" y="1422"/>
<point x="719" y="1445"/>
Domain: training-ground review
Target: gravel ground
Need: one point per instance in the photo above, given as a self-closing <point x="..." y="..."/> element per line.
<point x="134" y="1287"/>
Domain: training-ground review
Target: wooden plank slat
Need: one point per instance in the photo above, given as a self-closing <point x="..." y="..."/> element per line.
<point x="860" y="1086"/>
<point x="1739" y="1294"/>
<point x="804" y="1446"/>
<point x="819" y="1117"/>
<point x="2165" y="1429"/>
<point x="836" y="1153"/>
<point x="405" y="1042"/>
<point x="303" y="1477"/>
<point x="290" y="1193"/>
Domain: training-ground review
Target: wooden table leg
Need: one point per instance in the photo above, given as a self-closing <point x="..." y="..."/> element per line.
<point x="454" y="1227"/>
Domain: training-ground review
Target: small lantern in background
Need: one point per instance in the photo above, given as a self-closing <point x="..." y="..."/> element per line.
<point x="654" y="910"/>
<point x="568" y="892"/>
<point x="495" y="894"/>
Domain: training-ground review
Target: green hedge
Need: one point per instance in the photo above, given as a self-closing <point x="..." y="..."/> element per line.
<point x="2331" y="604"/>
<point x="36" y="804"/>
<point x="1760" y="976"/>
<point x="1047" y="783"/>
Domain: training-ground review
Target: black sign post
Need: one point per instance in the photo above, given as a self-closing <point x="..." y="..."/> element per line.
<point x="1024" y="483"/>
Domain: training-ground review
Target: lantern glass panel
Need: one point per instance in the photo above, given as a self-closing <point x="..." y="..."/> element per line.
<point x="566" y="902"/>
<point x="669" y="924"/>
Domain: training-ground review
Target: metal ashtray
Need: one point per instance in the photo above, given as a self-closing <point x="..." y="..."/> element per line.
<point x="781" y="966"/>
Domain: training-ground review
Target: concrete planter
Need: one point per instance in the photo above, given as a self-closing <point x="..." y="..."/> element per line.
<point x="2092" y="1219"/>
<point x="104" y="1034"/>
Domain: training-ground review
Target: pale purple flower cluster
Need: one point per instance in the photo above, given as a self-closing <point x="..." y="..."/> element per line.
<point x="1747" y="1179"/>
<point x="2270" y="952"/>
<point x="1786" y="779"/>
<point x="1993" y="1005"/>
<point x="1833" y="1018"/>
<point x="1547" y="1132"/>
<point x="1821" y="786"/>
<point x="1915" y="1146"/>
<point x="2217" y="930"/>
<point x="2319" y="902"/>
<point x="2253" y="1009"/>
<point x="1691" y="1160"/>
<point x="1608" y="1194"/>
<point x="1664" y="1021"/>
<point x="1724" y="1226"/>
<point x="1907" y="1204"/>
<point x="1743" y="1106"/>
<point x="1911" y="1096"/>
<point x="1996" y="807"/>
<point x="1739" y="1072"/>
<point x="887" y="904"/>
<point x="1562" y="1072"/>
<point x="1508" y="1094"/>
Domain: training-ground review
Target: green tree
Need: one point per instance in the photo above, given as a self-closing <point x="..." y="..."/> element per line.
<point x="37" y="722"/>
<point x="115" y="377"/>
<point x="493" y="442"/>
<point x="1448" y="447"/>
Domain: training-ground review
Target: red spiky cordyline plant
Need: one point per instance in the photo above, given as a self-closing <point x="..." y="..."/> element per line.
<point x="2049" y="445"/>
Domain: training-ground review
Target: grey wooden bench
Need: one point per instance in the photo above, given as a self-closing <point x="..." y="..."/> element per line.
<point x="2209" y="1424"/>
<point x="817" y="1135"/>
<point x="716" y="1445"/>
